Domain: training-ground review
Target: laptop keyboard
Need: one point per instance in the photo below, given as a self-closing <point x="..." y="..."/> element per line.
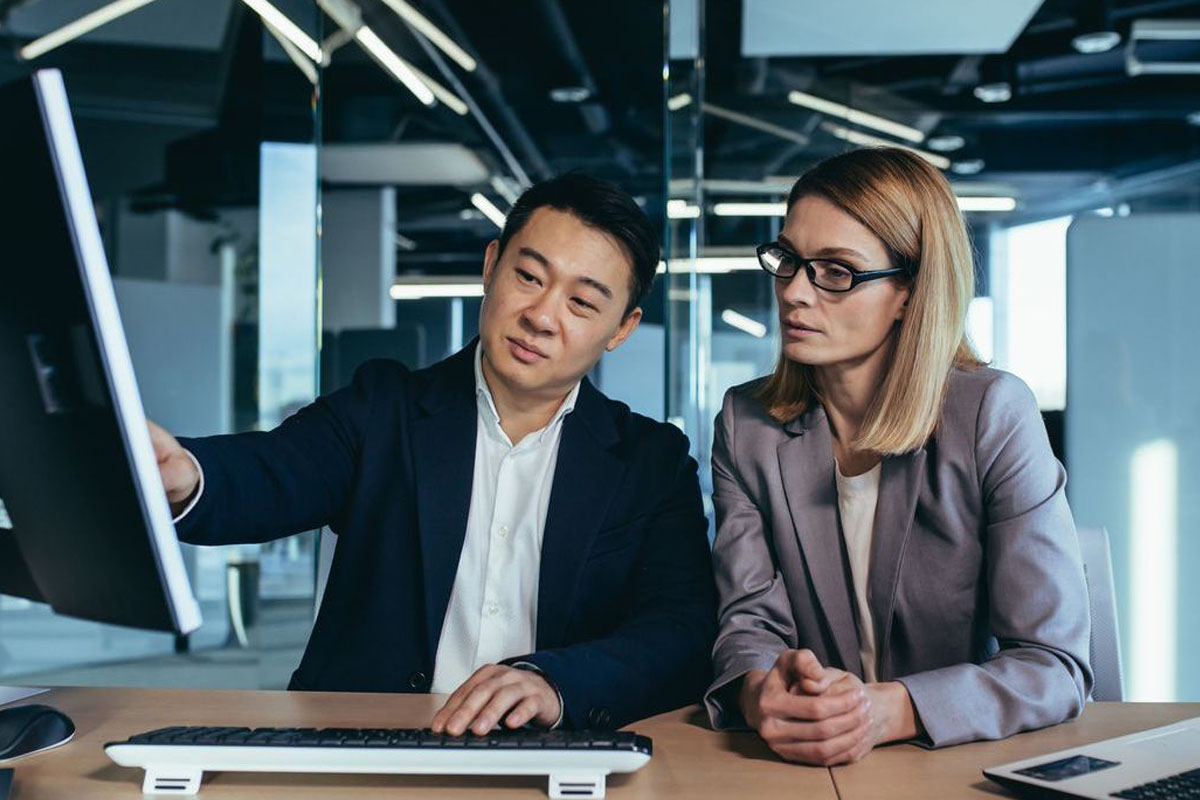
<point x="1184" y="786"/>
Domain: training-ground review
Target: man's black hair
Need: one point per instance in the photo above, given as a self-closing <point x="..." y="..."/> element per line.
<point x="602" y="205"/>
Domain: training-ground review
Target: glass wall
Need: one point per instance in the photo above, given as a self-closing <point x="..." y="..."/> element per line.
<point x="199" y="130"/>
<point x="1054" y="141"/>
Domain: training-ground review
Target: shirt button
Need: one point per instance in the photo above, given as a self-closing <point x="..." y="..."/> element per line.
<point x="493" y="609"/>
<point x="503" y="532"/>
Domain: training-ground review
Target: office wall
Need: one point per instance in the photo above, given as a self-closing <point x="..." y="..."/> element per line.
<point x="1133" y="431"/>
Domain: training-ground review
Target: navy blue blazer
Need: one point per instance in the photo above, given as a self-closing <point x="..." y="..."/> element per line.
<point x="626" y="602"/>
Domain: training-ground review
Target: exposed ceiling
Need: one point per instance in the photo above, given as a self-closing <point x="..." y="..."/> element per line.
<point x="172" y="100"/>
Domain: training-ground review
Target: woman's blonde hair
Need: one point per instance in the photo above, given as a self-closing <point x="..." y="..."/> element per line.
<point x="910" y="207"/>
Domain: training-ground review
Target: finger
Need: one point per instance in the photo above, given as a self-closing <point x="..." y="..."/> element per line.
<point x="525" y="710"/>
<point x="811" y="708"/>
<point x="500" y="704"/>
<point x="825" y="753"/>
<point x="785" y="731"/>
<point x="160" y="439"/>
<point x="806" y="665"/>
<point x="835" y="681"/>
<point x="458" y="695"/>
<point x="471" y="705"/>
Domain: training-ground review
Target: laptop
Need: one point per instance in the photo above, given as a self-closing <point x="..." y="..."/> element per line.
<point x="1161" y="763"/>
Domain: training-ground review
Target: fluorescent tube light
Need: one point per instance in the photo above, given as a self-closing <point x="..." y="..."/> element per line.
<point x="681" y="100"/>
<point x="85" y="24"/>
<point x="422" y="291"/>
<point x="680" y="209"/>
<point x="275" y="18"/>
<point x="867" y="140"/>
<point x="857" y="117"/>
<point x="489" y="210"/>
<point x="743" y="323"/>
<point x="750" y="209"/>
<point x="394" y="64"/>
<point x="712" y="265"/>
<point x="434" y="34"/>
<point x="986" y="203"/>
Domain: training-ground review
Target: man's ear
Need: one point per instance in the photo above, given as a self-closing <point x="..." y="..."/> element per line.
<point x="628" y="326"/>
<point x="491" y="256"/>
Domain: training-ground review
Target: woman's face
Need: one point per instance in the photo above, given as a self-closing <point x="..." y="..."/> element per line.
<point x="823" y="328"/>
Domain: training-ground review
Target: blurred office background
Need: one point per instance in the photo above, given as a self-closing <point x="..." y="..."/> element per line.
<point x="289" y="188"/>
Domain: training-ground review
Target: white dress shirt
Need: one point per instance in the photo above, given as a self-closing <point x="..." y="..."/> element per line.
<point x="493" y="606"/>
<point x="492" y="613"/>
<point x="857" y="498"/>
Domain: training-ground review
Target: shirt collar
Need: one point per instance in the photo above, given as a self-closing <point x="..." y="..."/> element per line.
<point x="487" y="405"/>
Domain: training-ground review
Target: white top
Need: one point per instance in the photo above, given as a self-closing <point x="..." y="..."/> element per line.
<point x="857" y="498"/>
<point x="493" y="607"/>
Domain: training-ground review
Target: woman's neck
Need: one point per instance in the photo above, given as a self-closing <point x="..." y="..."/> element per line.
<point x="847" y="390"/>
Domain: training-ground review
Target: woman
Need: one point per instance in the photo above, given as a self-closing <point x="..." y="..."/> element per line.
<point x="894" y="551"/>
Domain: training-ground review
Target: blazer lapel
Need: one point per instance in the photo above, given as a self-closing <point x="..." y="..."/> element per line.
<point x="899" y="486"/>
<point x="806" y="464"/>
<point x="586" y="477"/>
<point x="444" y="453"/>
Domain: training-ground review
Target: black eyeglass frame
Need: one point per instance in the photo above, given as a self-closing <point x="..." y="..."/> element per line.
<point x="857" y="276"/>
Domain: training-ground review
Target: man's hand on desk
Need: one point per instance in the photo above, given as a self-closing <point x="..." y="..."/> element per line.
<point x="178" y="471"/>
<point x="496" y="694"/>
<point x="818" y="715"/>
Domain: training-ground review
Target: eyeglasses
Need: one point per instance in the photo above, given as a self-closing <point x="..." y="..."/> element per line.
<point x="824" y="273"/>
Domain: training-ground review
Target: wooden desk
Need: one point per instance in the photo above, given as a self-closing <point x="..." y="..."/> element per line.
<point x="905" y="771"/>
<point x="689" y="759"/>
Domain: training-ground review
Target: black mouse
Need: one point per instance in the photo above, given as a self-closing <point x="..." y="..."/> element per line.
<point x="29" y="729"/>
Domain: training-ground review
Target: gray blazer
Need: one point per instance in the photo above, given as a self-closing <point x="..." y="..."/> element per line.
<point x="976" y="583"/>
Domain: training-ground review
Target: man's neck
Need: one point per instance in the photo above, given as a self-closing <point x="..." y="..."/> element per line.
<point x="520" y="413"/>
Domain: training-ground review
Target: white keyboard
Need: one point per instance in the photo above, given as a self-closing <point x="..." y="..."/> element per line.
<point x="576" y="762"/>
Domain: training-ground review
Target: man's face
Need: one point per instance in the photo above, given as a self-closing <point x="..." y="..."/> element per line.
<point x="555" y="301"/>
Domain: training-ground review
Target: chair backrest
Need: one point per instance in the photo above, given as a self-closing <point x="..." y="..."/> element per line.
<point x="327" y="543"/>
<point x="1104" y="649"/>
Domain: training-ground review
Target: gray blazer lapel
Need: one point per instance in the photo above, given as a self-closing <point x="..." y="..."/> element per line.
<point x="899" y="487"/>
<point x="806" y="466"/>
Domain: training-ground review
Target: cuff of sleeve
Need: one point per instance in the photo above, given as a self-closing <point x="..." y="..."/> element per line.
<point x="199" y="489"/>
<point x="562" y="708"/>
<point x="938" y="717"/>
<point x="721" y="701"/>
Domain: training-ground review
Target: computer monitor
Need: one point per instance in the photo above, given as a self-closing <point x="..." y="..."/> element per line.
<point x="84" y="522"/>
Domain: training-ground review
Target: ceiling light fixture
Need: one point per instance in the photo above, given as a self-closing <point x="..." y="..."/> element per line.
<point x="489" y="210"/>
<point x="403" y="290"/>
<point x="434" y="34"/>
<point x="681" y="100"/>
<point x="681" y="209"/>
<point x="970" y="166"/>
<point x="946" y="142"/>
<point x="743" y="323"/>
<point x="867" y="140"/>
<point x="1096" y="42"/>
<point x="750" y="209"/>
<point x="998" y="92"/>
<point x="986" y="203"/>
<point x="85" y="24"/>
<point x="855" y="116"/>
<point x="570" y="94"/>
<point x="401" y="70"/>
<point x="276" y="19"/>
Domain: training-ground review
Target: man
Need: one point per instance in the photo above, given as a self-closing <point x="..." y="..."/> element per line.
<point x="506" y="533"/>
